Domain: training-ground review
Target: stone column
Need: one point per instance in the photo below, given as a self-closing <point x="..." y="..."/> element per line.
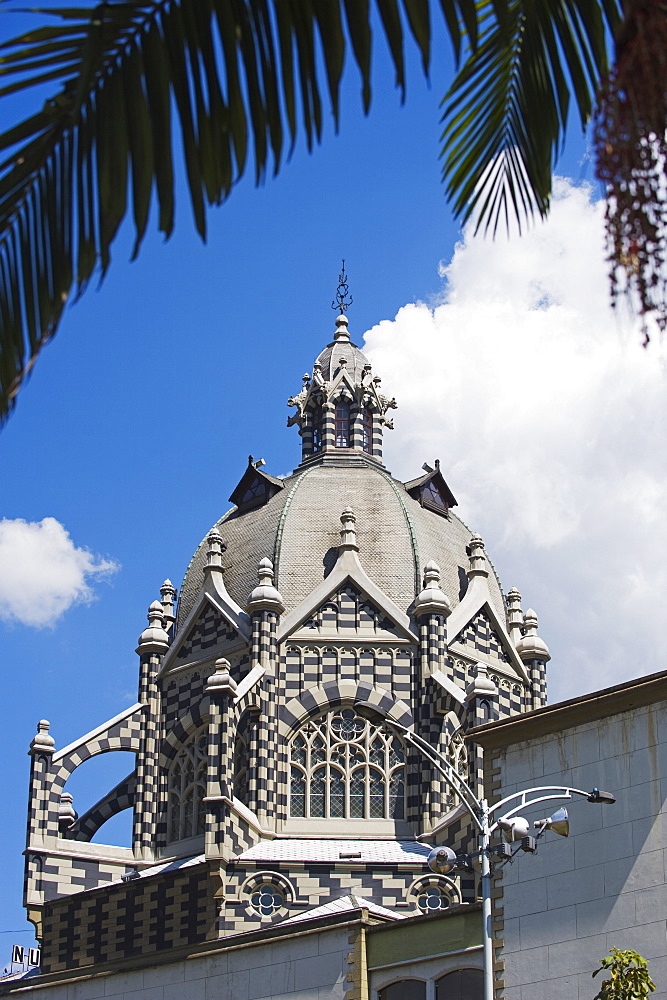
<point x="535" y="655"/>
<point x="431" y="610"/>
<point x="153" y="644"/>
<point x="481" y="706"/>
<point x="265" y="605"/>
<point x="221" y="688"/>
<point x="43" y="817"/>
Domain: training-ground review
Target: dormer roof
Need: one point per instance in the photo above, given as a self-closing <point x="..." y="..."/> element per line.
<point x="255" y="488"/>
<point x="431" y="490"/>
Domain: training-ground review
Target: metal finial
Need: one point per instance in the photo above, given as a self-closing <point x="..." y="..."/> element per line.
<point x="342" y="291"/>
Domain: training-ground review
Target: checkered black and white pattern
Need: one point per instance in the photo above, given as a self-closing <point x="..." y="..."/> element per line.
<point x="125" y="919"/>
<point x="305" y="666"/>
<point x="332" y="695"/>
<point x="480" y="636"/>
<point x="209" y="633"/>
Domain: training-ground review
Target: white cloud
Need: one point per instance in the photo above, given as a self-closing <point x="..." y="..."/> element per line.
<point x="43" y="573"/>
<point x="550" y="420"/>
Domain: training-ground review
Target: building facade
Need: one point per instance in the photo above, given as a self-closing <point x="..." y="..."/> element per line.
<point x="262" y="790"/>
<point x="557" y="913"/>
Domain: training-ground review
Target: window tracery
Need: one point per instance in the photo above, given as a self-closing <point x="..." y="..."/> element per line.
<point x="186" y="783"/>
<point x="344" y="767"/>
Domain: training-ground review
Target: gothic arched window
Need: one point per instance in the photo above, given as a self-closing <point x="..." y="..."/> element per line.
<point x="186" y="784"/>
<point x="344" y="767"/>
<point x="240" y="782"/>
<point x="316" y="423"/>
<point x="342" y="429"/>
<point x="367" y="430"/>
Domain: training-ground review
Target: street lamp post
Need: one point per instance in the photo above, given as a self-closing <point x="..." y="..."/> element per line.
<point x="443" y="859"/>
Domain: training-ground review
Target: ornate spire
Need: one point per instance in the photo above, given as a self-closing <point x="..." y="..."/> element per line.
<point x="42" y="741"/>
<point x="348" y="532"/>
<point x="341" y="302"/>
<point x="530" y="646"/>
<point x="514" y="615"/>
<point x="341" y="410"/>
<point x="265" y="596"/>
<point x="154" y="638"/>
<point x="432" y="599"/>
<point x="477" y="558"/>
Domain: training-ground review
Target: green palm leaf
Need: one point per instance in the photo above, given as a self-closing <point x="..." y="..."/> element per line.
<point x="133" y="76"/>
<point x="506" y="111"/>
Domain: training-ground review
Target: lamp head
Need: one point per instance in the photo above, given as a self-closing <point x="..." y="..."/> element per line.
<point x="597" y="795"/>
<point x="368" y="711"/>
<point x="559" y="823"/>
<point x="442" y="860"/>
<point x="514" y="828"/>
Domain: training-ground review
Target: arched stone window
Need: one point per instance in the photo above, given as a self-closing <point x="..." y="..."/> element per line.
<point x="186" y="783"/>
<point x="344" y="767"/>
<point x="404" y="989"/>
<point x="434" y="893"/>
<point x="367" y="430"/>
<point x="462" y="984"/>
<point x="342" y="427"/>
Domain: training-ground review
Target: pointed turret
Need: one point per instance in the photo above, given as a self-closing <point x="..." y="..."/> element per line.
<point x="341" y="411"/>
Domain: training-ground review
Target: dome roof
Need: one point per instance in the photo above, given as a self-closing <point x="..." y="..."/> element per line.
<point x="330" y="360"/>
<point x="299" y="530"/>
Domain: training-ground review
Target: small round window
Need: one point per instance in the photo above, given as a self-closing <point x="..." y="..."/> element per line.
<point x="267" y="899"/>
<point x="433" y="898"/>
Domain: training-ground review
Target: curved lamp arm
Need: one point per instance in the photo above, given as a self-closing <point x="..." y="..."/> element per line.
<point x="532" y="796"/>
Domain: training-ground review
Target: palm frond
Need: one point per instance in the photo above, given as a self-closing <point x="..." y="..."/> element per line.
<point x="140" y="79"/>
<point x="506" y="111"/>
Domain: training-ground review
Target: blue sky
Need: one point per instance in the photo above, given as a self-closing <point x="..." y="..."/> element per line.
<point x="138" y="420"/>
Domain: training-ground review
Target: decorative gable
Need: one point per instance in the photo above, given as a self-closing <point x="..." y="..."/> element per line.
<point x="480" y="637"/>
<point x="432" y="491"/>
<point x="348" y="613"/>
<point x="209" y="631"/>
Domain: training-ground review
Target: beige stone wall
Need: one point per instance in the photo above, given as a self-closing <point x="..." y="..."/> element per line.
<point x="298" y="966"/>
<point x="564" y="908"/>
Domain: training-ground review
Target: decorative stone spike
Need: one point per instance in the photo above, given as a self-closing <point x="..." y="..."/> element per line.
<point x="481" y="685"/>
<point x="348" y="532"/>
<point x="221" y="682"/>
<point x="514" y="615"/>
<point x="168" y="594"/>
<point x="67" y="814"/>
<point x="155" y="634"/>
<point x="530" y="646"/>
<point x="477" y="558"/>
<point x="432" y="599"/>
<point x="215" y="550"/>
<point x="265" y="596"/>
<point x="42" y="741"/>
<point x="342" y="333"/>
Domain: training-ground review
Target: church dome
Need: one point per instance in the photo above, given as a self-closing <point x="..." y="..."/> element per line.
<point x="341" y="414"/>
<point x="298" y="528"/>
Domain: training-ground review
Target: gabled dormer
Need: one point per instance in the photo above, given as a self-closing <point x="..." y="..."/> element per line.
<point x="341" y="409"/>
<point x="255" y="488"/>
<point x="431" y="490"/>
